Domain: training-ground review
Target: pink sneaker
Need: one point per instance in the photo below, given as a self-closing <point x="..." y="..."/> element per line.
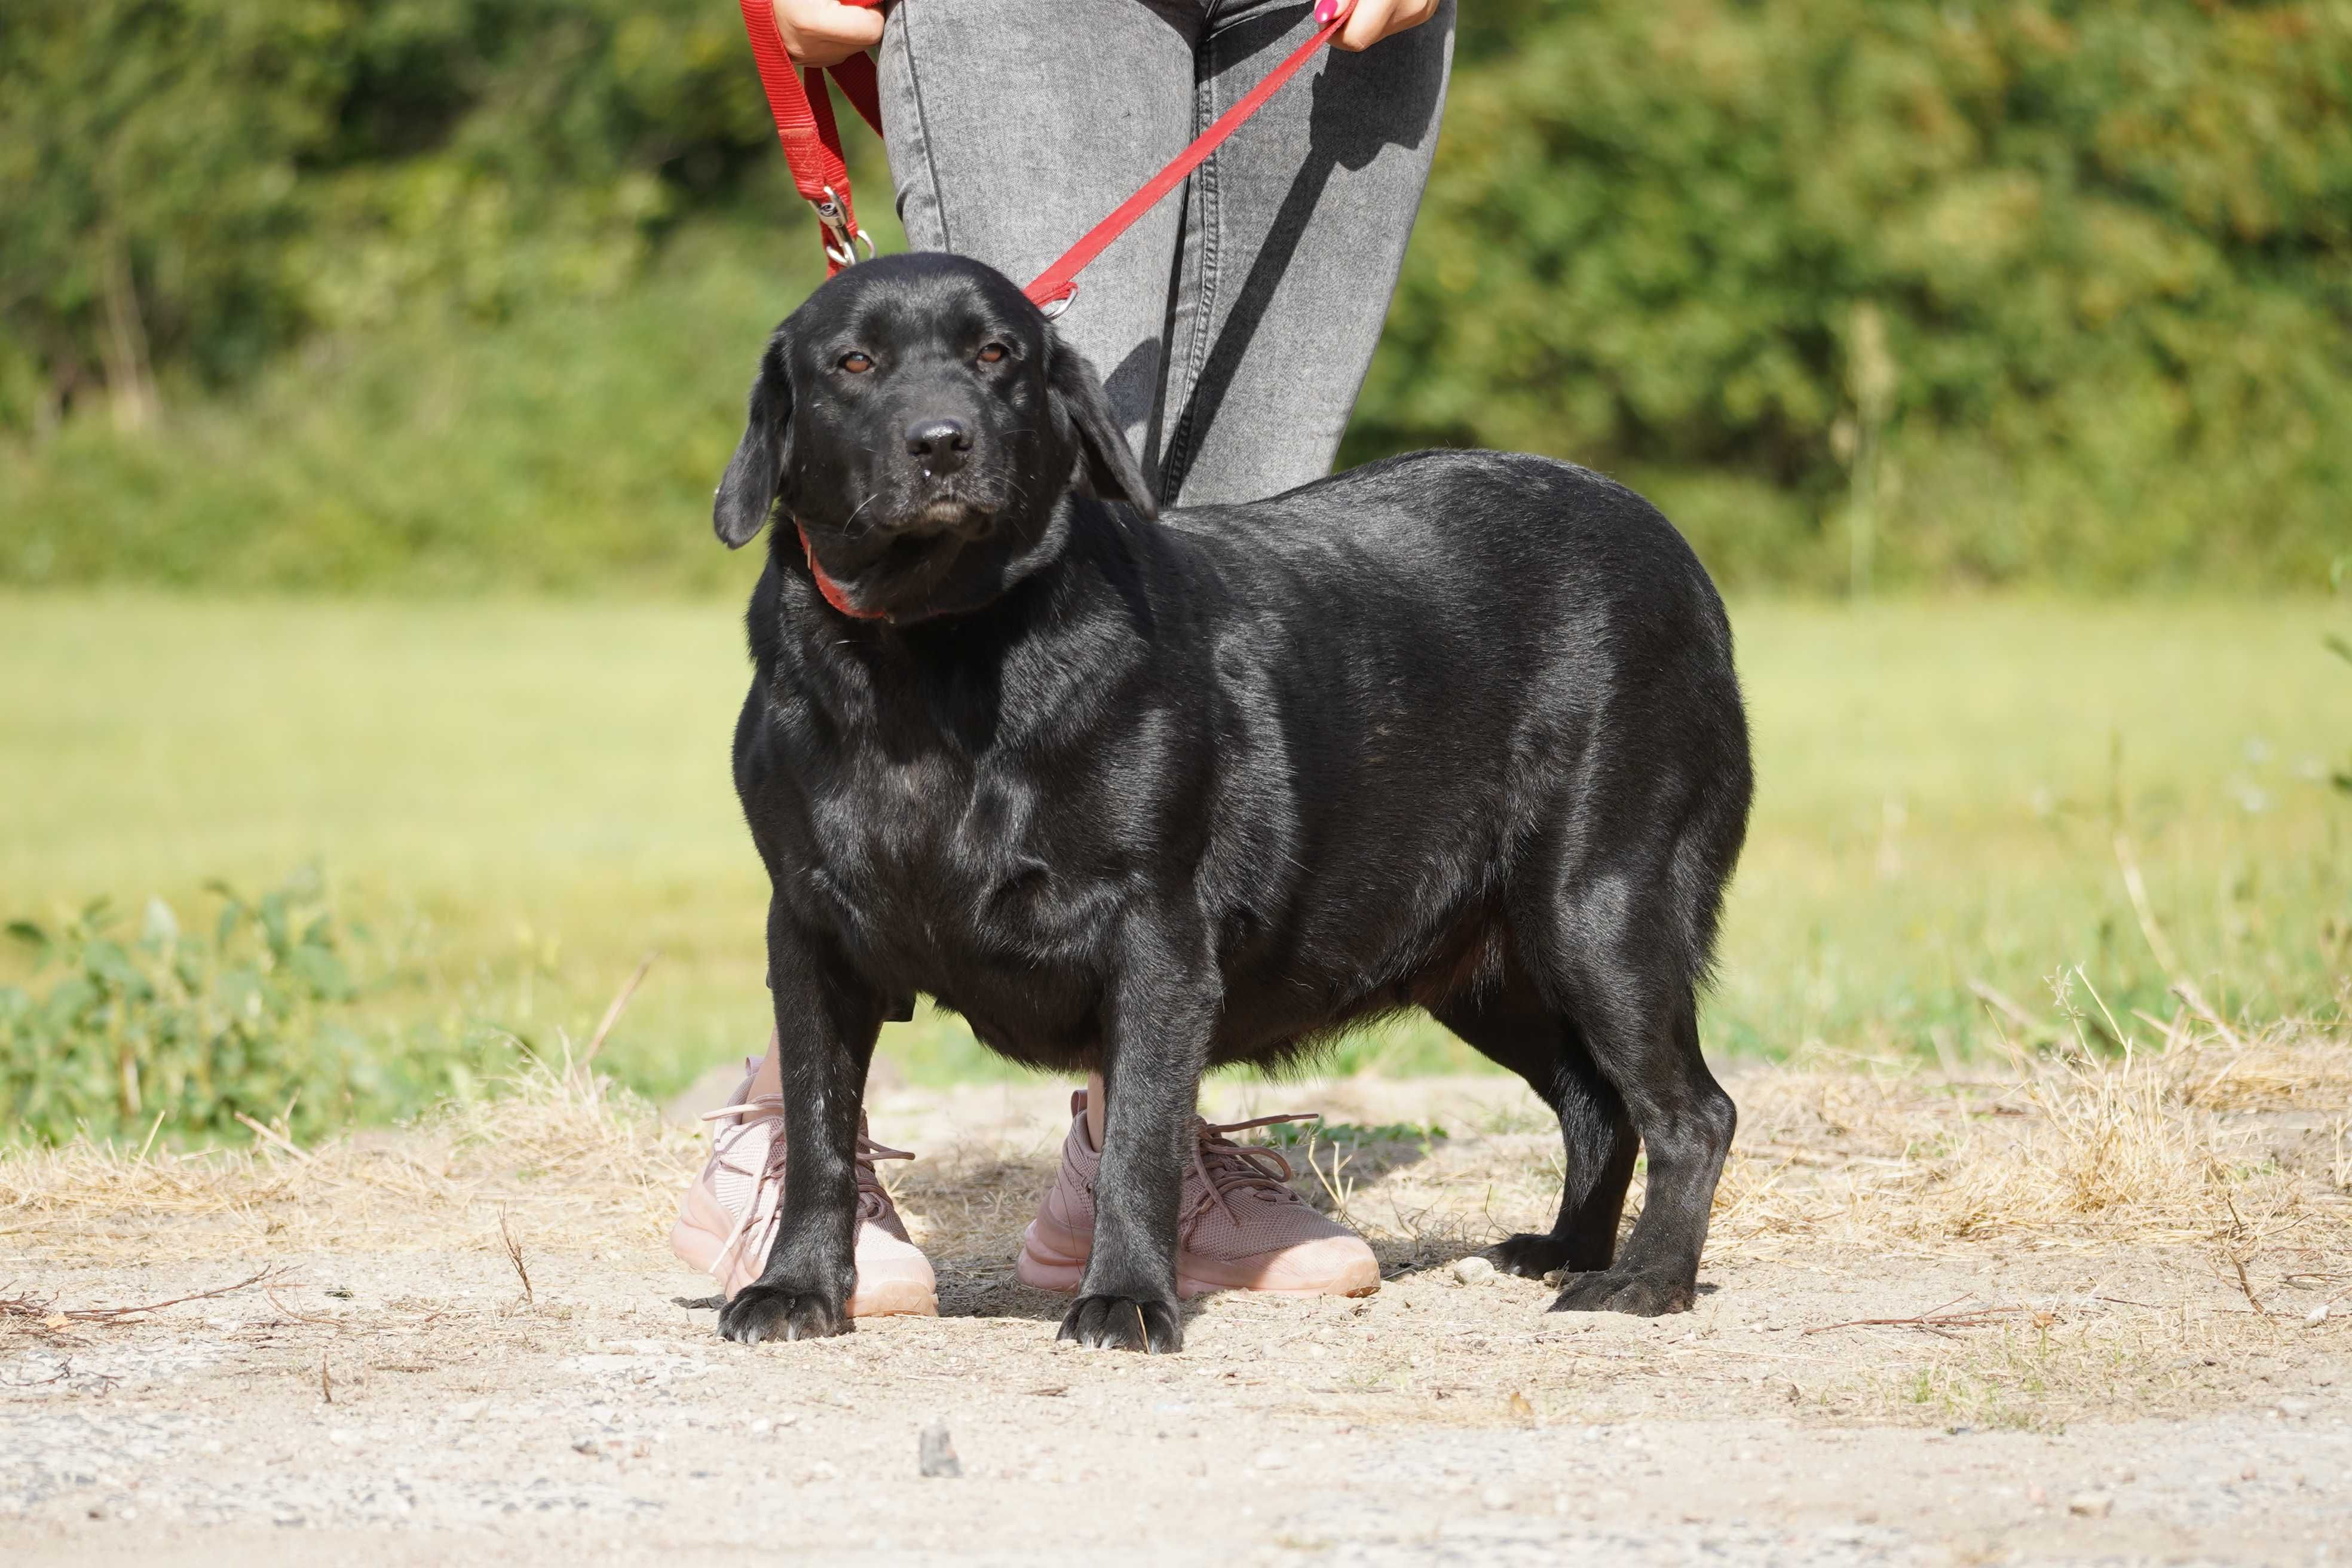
<point x="1239" y="1225"/>
<point x="726" y="1221"/>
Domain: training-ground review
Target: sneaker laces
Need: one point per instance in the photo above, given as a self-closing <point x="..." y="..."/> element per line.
<point x="1226" y="1168"/>
<point x="873" y="1198"/>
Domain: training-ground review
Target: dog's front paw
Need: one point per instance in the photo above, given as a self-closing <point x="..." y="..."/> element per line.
<point x="1647" y="1294"/>
<point x="763" y="1312"/>
<point x="1124" y="1322"/>
<point x="1529" y="1254"/>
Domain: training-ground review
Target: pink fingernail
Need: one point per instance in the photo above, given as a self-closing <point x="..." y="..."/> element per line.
<point x="1325" y="10"/>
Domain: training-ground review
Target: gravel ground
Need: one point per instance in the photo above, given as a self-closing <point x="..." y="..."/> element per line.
<point x="403" y="1399"/>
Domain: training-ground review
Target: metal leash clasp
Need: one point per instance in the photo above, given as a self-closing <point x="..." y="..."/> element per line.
<point x="841" y="241"/>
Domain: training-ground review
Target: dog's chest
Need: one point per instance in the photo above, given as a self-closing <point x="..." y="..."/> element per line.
<point x="944" y="863"/>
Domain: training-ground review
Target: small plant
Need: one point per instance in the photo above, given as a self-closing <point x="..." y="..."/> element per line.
<point x="193" y="1035"/>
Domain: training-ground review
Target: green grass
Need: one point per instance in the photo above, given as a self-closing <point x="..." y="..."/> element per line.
<point x="571" y="448"/>
<point x="521" y="799"/>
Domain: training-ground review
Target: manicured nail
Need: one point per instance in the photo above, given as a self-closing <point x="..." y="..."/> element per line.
<point x="1325" y="10"/>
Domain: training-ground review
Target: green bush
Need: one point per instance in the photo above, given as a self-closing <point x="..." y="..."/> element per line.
<point x="177" y="1032"/>
<point x="1953" y="292"/>
<point x="195" y="184"/>
<point x="1862" y="290"/>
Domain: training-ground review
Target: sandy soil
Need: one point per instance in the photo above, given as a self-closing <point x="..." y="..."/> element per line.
<point x="2117" y="1396"/>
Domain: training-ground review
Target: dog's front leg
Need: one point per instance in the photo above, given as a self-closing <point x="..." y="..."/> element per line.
<point x="1164" y="1006"/>
<point x="826" y="1020"/>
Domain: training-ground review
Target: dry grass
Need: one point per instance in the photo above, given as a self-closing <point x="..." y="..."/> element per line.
<point x="2084" y="1234"/>
<point x="560" y="1149"/>
<point x="2202" y="1138"/>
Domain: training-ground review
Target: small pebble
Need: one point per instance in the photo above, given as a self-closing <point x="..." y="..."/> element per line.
<point x="936" y="1455"/>
<point x="2293" y="1406"/>
<point x="1473" y="1271"/>
<point x="1496" y="1498"/>
<point x="2036" y="1495"/>
<point x="761" y="1426"/>
<point x="2091" y="1505"/>
<point x="1271" y="1459"/>
<point x="2317" y="1315"/>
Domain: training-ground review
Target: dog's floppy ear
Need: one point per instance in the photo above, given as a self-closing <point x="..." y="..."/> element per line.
<point x="747" y="491"/>
<point x="1107" y="468"/>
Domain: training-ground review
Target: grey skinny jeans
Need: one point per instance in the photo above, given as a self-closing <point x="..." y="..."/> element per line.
<point x="1234" y="323"/>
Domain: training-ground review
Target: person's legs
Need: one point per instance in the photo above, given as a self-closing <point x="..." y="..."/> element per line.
<point x="1013" y="126"/>
<point x="1295" y="232"/>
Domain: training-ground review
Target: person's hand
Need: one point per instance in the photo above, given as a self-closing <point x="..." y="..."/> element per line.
<point x="1372" y="20"/>
<point x="827" y="32"/>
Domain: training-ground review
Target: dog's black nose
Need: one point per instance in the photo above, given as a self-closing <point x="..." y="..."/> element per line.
<point x="941" y="445"/>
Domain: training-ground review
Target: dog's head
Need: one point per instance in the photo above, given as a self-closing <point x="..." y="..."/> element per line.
<point x="921" y="421"/>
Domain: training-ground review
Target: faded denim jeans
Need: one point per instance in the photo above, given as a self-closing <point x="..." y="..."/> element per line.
<point x="1234" y="323"/>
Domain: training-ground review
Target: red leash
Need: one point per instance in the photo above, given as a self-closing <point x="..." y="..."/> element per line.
<point x="812" y="142"/>
<point x="1059" y="282"/>
<point x="802" y="110"/>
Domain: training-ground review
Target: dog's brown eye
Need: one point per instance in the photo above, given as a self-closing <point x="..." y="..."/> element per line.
<point x="991" y="353"/>
<point x="857" y="363"/>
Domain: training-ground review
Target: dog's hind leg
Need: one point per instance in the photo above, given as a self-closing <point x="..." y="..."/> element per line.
<point x="1611" y="950"/>
<point x="1517" y="1029"/>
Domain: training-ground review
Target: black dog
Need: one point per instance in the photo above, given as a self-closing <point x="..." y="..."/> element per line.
<point x="1456" y="730"/>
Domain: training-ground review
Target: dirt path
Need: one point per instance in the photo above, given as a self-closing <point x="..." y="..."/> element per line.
<point x="2120" y="1398"/>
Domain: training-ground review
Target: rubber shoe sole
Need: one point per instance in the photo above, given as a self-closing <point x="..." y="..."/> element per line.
<point x="1053" y="1259"/>
<point x="702" y="1229"/>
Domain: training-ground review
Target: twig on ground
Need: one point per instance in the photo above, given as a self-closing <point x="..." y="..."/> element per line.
<point x="279" y="1139"/>
<point x="1939" y="1320"/>
<point x="64" y="1371"/>
<point x="612" y="1013"/>
<point x="2246" y="1286"/>
<point x="2238" y="1257"/>
<point x="291" y="1315"/>
<point x="2136" y="887"/>
<point x="514" y="1256"/>
<point x="47" y="1312"/>
<point x="152" y="1128"/>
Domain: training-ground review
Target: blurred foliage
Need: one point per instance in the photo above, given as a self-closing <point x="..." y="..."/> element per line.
<point x="177" y="1032"/>
<point x="1862" y="291"/>
<point x="197" y="183"/>
<point x="2098" y="254"/>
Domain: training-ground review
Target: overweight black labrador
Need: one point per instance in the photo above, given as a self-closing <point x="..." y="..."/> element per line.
<point x="1148" y="793"/>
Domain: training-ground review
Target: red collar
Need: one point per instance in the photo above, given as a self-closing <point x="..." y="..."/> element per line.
<point x="835" y="593"/>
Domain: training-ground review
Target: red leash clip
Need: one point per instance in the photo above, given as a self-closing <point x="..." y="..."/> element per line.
<point x="803" y="109"/>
